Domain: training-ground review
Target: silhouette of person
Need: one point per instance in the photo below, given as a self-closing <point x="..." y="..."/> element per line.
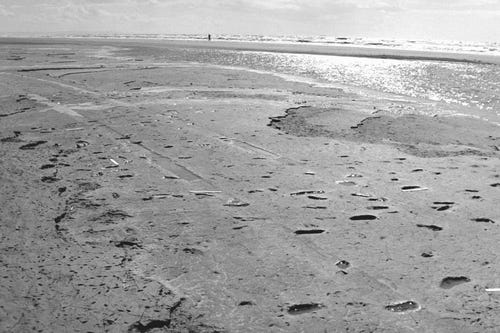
<point x="209" y="37"/>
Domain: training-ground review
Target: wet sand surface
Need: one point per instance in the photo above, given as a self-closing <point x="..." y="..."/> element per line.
<point x="174" y="197"/>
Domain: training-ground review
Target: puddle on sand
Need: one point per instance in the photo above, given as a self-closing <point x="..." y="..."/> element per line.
<point x="298" y="309"/>
<point x="403" y="307"/>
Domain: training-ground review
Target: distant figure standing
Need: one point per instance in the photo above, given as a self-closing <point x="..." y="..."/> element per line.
<point x="209" y="37"/>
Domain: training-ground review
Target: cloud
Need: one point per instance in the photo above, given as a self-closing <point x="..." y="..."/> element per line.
<point x="4" y="11"/>
<point x="347" y="17"/>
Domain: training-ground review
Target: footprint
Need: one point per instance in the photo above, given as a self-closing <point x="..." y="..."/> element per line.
<point x="309" y="232"/>
<point x="378" y="207"/>
<point x="342" y="264"/>
<point x="363" y="217"/>
<point x="430" y="226"/>
<point x="442" y="205"/>
<point x="191" y="250"/>
<point x="236" y="203"/>
<point x="345" y="182"/>
<point x="298" y="309"/>
<point x="315" y="207"/>
<point x="413" y="188"/>
<point x="32" y="145"/>
<point x="81" y="144"/>
<point x="49" y="179"/>
<point x="483" y="219"/>
<point x="363" y="195"/>
<point x="255" y="191"/>
<point x="47" y="166"/>
<point x="314" y="197"/>
<point x="306" y="192"/>
<point x="452" y="281"/>
<point x="403" y="306"/>
<point x="129" y="242"/>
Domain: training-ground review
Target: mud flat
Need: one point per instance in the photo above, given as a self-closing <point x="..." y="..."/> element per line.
<point x="146" y="197"/>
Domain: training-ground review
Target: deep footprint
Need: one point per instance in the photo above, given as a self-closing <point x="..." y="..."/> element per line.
<point x="363" y="217"/>
<point x="483" y="219"/>
<point x="342" y="264"/>
<point x="315" y="197"/>
<point x="49" y="179"/>
<point x="47" y="166"/>
<point x="403" y="307"/>
<point x="411" y="188"/>
<point x="309" y="232"/>
<point x="452" y="281"/>
<point x="378" y="207"/>
<point x="298" y="309"/>
<point x="32" y="145"/>
<point x="306" y="192"/>
<point x="430" y="226"/>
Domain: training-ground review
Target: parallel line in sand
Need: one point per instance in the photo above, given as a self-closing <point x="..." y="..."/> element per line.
<point x="173" y="168"/>
<point x="242" y="145"/>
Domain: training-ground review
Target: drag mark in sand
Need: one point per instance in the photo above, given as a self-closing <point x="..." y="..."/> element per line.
<point x="36" y="69"/>
<point x="54" y="106"/>
<point x="172" y="170"/>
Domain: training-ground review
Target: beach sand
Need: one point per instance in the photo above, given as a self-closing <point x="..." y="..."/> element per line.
<point x="175" y="197"/>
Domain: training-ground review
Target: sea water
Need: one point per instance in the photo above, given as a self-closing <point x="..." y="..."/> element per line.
<point x="474" y="88"/>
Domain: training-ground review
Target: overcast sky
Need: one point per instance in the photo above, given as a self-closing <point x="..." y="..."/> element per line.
<point x="406" y="19"/>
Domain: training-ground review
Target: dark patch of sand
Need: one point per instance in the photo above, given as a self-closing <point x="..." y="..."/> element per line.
<point x="415" y="134"/>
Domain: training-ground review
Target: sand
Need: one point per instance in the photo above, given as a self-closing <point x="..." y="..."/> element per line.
<point x="146" y="197"/>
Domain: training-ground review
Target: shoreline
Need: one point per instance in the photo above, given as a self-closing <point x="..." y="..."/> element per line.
<point x="337" y="50"/>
